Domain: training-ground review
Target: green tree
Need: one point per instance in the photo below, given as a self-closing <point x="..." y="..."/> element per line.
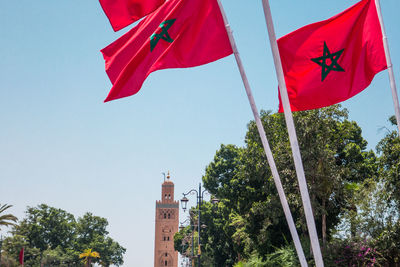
<point x="54" y="236"/>
<point x="387" y="235"/>
<point x="334" y="155"/>
<point x="92" y="232"/>
<point x="389" y="150"/>
<point x="46" y="227"/>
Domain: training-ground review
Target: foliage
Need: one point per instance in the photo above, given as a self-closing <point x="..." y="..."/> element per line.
<point x="46" y="227"/>
<point x="389" y="163"/>
<point x="354" y="194"/>
<point x="282" y="257"/>
<point x="353" y="253"/>
<point x="91" y="232"/>
<point x="387" y="237"/>
<point x="53" y="236"/>
<point x="58" y="257"/>
<point x="250" y="219"/>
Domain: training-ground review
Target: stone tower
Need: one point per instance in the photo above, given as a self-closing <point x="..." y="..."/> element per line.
<point x="167" y="223"/>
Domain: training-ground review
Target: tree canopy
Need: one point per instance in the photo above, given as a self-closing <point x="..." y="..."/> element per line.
<point x="52" y="236"/>
<point x="344" y="179"/>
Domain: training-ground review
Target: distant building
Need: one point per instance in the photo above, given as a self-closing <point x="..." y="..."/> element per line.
<point x="167" y="223"/>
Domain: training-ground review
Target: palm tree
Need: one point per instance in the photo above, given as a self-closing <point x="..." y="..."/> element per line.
<point x="88" y="254"/>
<point x="6" y="219"/>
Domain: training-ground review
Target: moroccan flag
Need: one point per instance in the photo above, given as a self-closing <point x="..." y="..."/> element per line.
<point x="121" y="13"/>
<point x="21" y="256"/>
<point x="330" y="61"/>
<point x="180" y="34"/>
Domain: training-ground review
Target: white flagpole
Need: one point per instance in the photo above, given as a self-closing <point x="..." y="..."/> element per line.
<point x="265" y="144"/>
<point x="293" y="139"/>
<point x="389" y="65"/>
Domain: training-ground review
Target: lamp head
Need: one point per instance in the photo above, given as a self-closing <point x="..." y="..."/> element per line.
<point x="184" y="202"/>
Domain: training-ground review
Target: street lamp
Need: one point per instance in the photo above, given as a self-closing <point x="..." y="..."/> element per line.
<point x="214" y="200"/>
<point x="184" y="202"/>
<point x="199" y="201"/>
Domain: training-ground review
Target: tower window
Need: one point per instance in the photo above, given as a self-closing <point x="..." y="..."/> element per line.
<point x="165" y="216"/>
<point x="165" y="196"/>
<point x="169" y="216"/>
<point x="166" y="254"/>
<point x="166" y="263"/>
<point x="169" y="196"/>
<point x="168" y="238"/>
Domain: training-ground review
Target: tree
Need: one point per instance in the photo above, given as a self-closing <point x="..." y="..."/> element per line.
<point x="54" y="236"/>
<point x="389" y="150"/>
<point x="334" y="155"/>
<point x="6" y="219"/>
<point x="46" y="227"/>
<point x="92" y="232"/>
<point x="387" y="236"/>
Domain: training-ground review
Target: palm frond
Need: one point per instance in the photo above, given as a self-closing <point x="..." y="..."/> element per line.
<point x="7" y="219"/>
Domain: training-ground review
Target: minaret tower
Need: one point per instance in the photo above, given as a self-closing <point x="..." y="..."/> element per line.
<point x="167" y="223"/>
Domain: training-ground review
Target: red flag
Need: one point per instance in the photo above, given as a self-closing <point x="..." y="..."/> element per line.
<point x="121" y="13"/>
<point x="21" y="256"/>
<point x="330" y="61"/>
<point x="180" y="34"/>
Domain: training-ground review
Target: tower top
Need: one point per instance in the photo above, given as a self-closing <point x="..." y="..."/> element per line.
<point x="168" y="181"/>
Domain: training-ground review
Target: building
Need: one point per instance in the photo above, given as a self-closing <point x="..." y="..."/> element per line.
<point x="167" y="223"/>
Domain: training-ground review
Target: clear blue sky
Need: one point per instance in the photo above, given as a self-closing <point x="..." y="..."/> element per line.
<point x="61" y="145"/>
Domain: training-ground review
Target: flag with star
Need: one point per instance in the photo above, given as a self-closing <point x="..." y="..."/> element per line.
<point x="180" y="34"/>
<point x="330" y="61"/>
<point x="122" y="13"/>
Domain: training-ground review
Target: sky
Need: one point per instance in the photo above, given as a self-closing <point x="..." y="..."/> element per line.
<point x="62" y="146"/>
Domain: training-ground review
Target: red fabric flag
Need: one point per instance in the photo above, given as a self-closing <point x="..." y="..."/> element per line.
<point x="330" y="61"/>
<point x="180" y="34"/>
<point x="21" y="256"/>
<point x="121" y="13"/>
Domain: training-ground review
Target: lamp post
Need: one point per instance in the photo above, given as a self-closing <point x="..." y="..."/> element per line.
<point x="199" y="201"/>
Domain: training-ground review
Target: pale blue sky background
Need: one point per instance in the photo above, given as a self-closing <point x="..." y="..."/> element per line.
<point x="61" y="145"/>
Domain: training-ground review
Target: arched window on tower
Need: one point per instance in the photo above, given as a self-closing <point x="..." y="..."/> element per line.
<point x="165" y="216"/>
<point x="169" y="216"/>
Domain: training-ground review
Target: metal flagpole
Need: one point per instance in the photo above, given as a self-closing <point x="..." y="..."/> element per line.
<point x="389" y="65"/>
<point x="293" y="139"/>
<point x="265" y="144"/>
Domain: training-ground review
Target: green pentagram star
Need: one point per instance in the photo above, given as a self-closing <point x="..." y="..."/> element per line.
<point x="155" y="37"/>
<point x="332" y="57"/>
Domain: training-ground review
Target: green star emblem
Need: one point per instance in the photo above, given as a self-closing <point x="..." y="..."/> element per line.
<point x="155" y="37"/>
<point x="328" y="61"/>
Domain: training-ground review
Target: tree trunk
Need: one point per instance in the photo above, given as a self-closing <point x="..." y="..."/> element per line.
<point x="353" y="227"/>
<point x="323" y="224"/>
<point x="312" y="199"/>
